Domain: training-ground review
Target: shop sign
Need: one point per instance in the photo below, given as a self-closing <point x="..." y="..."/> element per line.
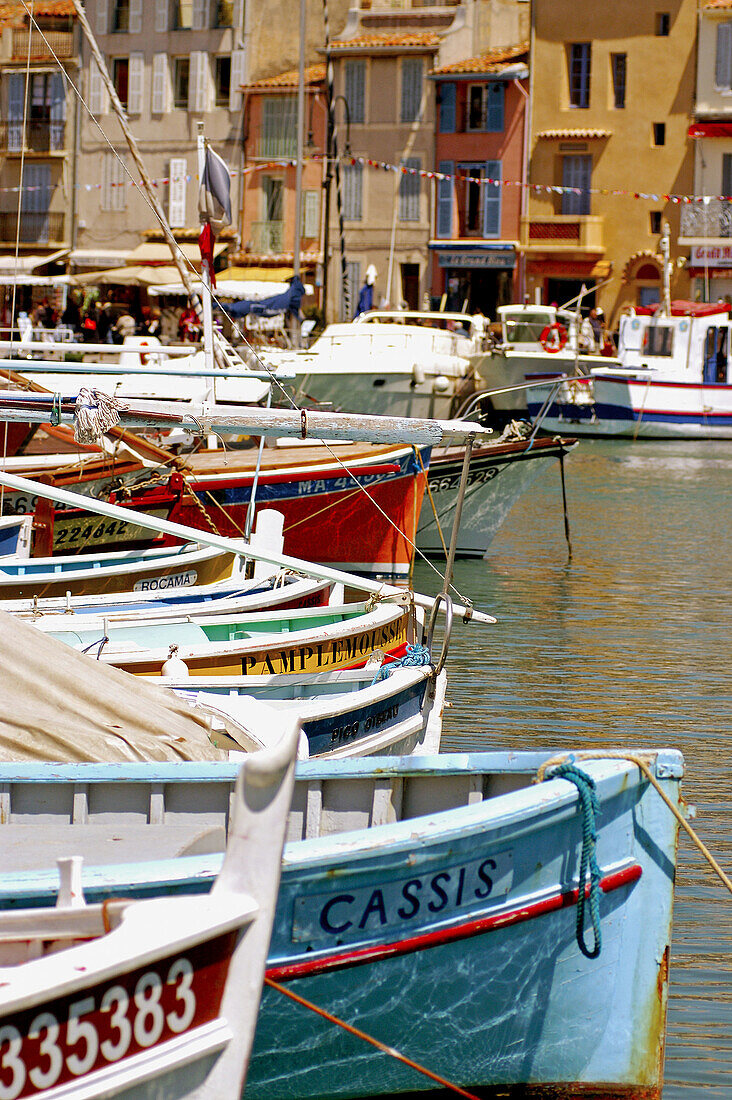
<point x="711" y="255"/>
<point x="478" y="259"/>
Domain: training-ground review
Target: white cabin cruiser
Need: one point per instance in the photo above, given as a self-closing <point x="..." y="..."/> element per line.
<point x="533" y="338"/>
<point x="398" y="362"/>
<point x="673" y="379"/>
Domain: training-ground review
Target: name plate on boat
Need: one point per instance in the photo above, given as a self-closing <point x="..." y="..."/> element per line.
<point x="447" y="482"/>
<point x="419" y="899"/>
<point x="175" y="580"/>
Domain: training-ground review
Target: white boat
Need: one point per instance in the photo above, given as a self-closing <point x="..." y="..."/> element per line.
<point x="149" y="998"/>
<point x="533" y="339"/>
<point x="401" y="363"/>
<point x="672" y="379"/>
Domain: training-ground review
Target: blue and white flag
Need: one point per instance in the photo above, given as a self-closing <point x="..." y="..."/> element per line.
<point x="214" y="193"/>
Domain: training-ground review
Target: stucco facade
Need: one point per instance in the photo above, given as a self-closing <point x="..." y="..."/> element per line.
<point x="612" y="92"/>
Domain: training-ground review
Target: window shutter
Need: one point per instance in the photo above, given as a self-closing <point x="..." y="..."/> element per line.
<point x="576" y="172"/>
<point x="355" y="88"/>
<point x="199" y="14"/>
<point x="238" y="76"/>
<point x="311" y="209"/>
<point x="16" y="95"/>
<point x="492" y="199"/>
<point x="199" y="83"/>
<point x="36" y="199"/>
<point x="495" y="98"/>
<point x="135" y="16"/>
<point x="98" y="94"/>
<point x="58" y="110"/>
<point x="409" y="191"/>
<point x="723" y="69"/>
<point x="353" y="192"/>
<point x="177" y="172"/>
<point x="448" y="98"/>
<point x="114" y="181"/>
<point x="444" y="201"/>
<point x="161" y="15"/>
<point x="160" y="84"/>
<point x="102" y="17"/>
<point x="411" y="89"/>
<point x="136" y="80"/>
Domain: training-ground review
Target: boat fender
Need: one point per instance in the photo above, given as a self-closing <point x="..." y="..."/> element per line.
<point x="175" y="666"/>
<point x="553" y="337"/>
<point x="418" y="375"/>
<point x="441" y="384"/>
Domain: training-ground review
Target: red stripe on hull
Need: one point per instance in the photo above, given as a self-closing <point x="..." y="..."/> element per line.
<point x="464" y="931"/>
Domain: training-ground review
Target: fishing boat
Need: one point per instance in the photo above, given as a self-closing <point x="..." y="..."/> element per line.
<point x="160" y="568"/>
<point x="673" y="379"/>
<point x="394" y="362"/>
<point x="149" y="997"/>
<point x="432" y="902"/>
<point x="499" y="474"/>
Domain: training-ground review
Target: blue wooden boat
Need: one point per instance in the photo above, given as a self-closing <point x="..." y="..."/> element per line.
<point x="431" y="901"/>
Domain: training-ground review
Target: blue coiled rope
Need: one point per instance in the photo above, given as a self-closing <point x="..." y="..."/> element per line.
<point x="589" y="807"/>
<point x="414" y="657"/>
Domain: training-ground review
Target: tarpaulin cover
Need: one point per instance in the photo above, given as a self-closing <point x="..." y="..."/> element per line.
<point x="289" y="302"/>
<point x="63" y="706"/>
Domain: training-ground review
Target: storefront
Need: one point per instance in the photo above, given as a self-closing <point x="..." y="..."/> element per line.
<point x="474" y="276"/>
<point x="710" y="267"/>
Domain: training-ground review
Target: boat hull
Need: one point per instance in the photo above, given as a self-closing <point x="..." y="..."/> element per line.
<point x="498" y="476"/>
<point x="507" y="370"/>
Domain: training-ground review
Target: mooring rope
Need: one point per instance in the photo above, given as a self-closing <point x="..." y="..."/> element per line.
<point x="415" y="656"/>
<point x="642" y="763"/>
<point x="369" y="1039"/>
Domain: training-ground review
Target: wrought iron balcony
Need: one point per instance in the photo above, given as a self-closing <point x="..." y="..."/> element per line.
<point x="267" y="236"/>
<point x="40" y="137"/>
<point x="35" y="228"/>
<point x="705" y="220"/>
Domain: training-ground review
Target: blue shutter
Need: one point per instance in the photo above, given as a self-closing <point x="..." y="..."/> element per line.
<point x="16" y="95"/>
<point x="355" y="86"/>
<point x="492" y="199"/>
<point x="448" y="96"/>
<point x="495" y="97"/>
<point x="58" y="110"/>
<point x="444" y="201"/>
<point x="576" y="172"/>
<point x="723" y="67"/>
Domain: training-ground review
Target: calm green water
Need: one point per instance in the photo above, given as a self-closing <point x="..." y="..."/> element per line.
<point x="626" y="644"/>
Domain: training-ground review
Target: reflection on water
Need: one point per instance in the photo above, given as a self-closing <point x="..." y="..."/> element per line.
<point x="627" y="644"/>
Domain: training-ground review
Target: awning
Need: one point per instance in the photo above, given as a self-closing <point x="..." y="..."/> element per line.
<point x="257" y="274"/>
<point x="131" y="275"/>
<point x="230" y="288"/>
<point x="12" y="265"/>
<point x="710" y="129"/>
<point x="157" y="252"/>
<point x="98" y="257"/>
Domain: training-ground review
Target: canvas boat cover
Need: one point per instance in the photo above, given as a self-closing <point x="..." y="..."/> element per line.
<point x="63" y="706"/>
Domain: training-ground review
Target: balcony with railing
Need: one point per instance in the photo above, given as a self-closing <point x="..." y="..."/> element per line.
<point x="267" y="237"/>
<point x="703" y="222"/>
<point x="42" y="46"/>
<point x="40" y="137"/>
<point x="563" y="233"/>
<point x="41" y="227"/>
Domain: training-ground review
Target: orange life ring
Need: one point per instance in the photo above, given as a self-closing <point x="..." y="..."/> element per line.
<point x="553" y="337"/>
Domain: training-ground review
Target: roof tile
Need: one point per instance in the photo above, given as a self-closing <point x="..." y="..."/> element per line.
<point x="387" y="41"/>
<point x="313" y="75"/>
<point x="11" y="8"/>
<point x="492" y="61"/>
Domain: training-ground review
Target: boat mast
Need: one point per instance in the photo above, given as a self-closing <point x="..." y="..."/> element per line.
<point x="298" y="167"/>
<point x="665" y="245"/>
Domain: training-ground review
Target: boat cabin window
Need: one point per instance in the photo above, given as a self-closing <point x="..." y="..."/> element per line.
<point x="658" y="340"/>
<point x="522" y="328"/>
<point x="716" y="351"/>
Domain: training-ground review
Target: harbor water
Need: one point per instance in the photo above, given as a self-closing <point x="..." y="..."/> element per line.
<point x="625" y="644"/>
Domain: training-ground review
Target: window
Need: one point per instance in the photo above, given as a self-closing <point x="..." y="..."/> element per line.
<point x="447" y="100"/>
<point x="444" y="201"/>
<point x="46" y="115"/>
<point x="114" y="180"/>
<point x="723" y="64"/>
<point x="35" y="222"/>
<point x="410" y="187"/>
<point x="576" y="174"/>
<point x="659" y="133"/>
<point x="182" y="15"/>
<point x="353" y="192"/>
<point x="310" y="213"/>
<point x="485" y="107"/>
<point x="618" y="64"/>
<point x="411" y="102"/>
<point x="355" y="88"/>
<point x="272" y="198"/>
<point x="479" y="202"/>
<point x="579" y="74"/>
<point x="121" y="15"/>
<point x="181" y="81"/>
<point x="278" y="133"/>
<point x="663" y="23"/>
<point x="658" y="340"/>
<point x="223" y="13"/>
<point x="655" y="216"/>
<point x="223" y="80"/>
<point x="121" y="78"/>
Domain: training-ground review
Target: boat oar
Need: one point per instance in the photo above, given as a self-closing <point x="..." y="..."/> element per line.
<point x="219" y="542"/>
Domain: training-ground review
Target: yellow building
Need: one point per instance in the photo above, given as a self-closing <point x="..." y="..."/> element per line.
<point x="612" y="93"/>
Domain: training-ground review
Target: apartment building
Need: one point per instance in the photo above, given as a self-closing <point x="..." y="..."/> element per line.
<point x="37" y="140"/>
<point x="706" y="227"/>
<point x="612" y="91"/>
<point x="173" y="63"/>
<point x="480" y="136"/>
